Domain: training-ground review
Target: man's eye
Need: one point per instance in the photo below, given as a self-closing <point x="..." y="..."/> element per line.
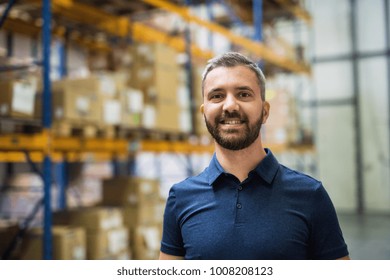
<point x="244" y="94"/>
<point x="216" y="96"/>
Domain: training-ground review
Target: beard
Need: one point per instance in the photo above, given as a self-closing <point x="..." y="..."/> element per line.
<point x="233" y="139"/>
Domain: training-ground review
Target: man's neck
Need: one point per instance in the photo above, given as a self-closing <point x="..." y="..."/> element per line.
<point x="241" y="162"/>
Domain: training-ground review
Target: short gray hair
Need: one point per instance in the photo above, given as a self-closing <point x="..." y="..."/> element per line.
<point x="231" y="59"/>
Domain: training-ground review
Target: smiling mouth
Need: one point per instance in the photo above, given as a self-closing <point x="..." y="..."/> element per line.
<point x="232" y="122"/>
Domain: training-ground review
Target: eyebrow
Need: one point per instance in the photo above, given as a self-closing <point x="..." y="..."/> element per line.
<point x="237" y="88"/>
<point x="245" y="88"/>
<point x="214" y="90"/>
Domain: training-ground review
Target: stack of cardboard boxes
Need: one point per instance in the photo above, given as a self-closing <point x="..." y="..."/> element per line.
<point x="143" y="210"/>
<point x="69" y="243"/>
<point x="76" y="102"/>
<point x="127" y="225"/>
<point x="106" y="235"/>
<point x="156" y="73"/>
<point x="101" y="101"/>
<point x="150" y="93"/>
<point x="282" y="126"/>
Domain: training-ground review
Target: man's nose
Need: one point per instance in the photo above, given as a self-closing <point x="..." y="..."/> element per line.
<point x="230" y="104"/>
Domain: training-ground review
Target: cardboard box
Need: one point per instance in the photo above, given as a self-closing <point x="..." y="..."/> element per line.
<point x="168" y="117"/>
<point x="130" y="191"/>
<point x="282" y="124"/>
<point x="92" y="219"/>
<point x="146" y="242"/>
<point x="156" y="73"/>
<point x="132" y="107"/>
<point x="107" y="244"/>
<point x="18" y="98"/>
<point x="111" y="84"/>
<point x="77" y="100"/>
<point x="145" y="214"/>
<point x="69" y="243"/>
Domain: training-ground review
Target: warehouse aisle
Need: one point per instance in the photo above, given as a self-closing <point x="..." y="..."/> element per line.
<point x="368" y="236"/>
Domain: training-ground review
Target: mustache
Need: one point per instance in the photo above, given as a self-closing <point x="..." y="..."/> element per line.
<point x="230" y="115"/>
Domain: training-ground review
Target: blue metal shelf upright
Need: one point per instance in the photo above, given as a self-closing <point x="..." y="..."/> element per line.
<point x="47" y="162"/>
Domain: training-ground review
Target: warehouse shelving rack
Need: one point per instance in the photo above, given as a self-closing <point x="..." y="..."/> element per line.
<point x="48" y="149"/>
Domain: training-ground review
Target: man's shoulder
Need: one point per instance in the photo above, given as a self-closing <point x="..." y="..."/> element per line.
<point x="298" y="178"/>
<point x="193" y="182"/>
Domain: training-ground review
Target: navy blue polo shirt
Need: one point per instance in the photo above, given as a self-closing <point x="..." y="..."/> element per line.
<point x="276" y="213"/>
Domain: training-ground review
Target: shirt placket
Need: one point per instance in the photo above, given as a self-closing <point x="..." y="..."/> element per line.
<point x="239" y="204"/>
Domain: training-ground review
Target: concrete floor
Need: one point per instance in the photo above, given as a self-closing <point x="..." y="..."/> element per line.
<point x="367" y="237"/>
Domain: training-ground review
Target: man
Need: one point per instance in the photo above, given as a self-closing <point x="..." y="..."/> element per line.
<point x="245" y="205"/>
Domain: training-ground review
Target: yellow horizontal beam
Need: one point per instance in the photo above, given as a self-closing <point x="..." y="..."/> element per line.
<point x="143" y="33"/>
<point x="20" y="156"/>
<point x="59" y="157"/>
<point x="120" y="26"/>
<point x="90" y="16"/>
<point x="109" y="145"/>
<point x="77" y="149"/>
<point x="87" y="14"/>
<point x="254" y="47"/>
<point x="32" y="29"/>
<point x="174" y="147"/>
<point x="40" y="142"/>
<point x="21" y="27"/>
<point x="23" y="142"/>
<point x="90" y="44"/>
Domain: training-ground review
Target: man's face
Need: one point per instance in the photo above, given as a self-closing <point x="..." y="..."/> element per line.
<point x="233" y="109"/>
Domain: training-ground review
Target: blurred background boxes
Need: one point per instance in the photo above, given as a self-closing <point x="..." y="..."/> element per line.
<point x="142" y="208"/>
<point x="69" y="243"/>
<point x="107" y="238"/>
<point x="123" y="191"/>
<point x="18" y="97"/>
<point x="107" y="244"/>
<point x="134" y="87"/>
<point x="77" y="100"/>
<point x="146" y="242"/>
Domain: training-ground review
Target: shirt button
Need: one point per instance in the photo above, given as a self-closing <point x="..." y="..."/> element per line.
<point x="239" y="206"/>
<point x="240" y="188"/>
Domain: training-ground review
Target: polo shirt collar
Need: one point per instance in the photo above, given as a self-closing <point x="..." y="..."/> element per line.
<point x="214" y="170"/>
<point x="266" y="169"/>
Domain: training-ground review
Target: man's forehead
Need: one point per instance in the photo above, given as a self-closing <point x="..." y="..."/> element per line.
<point x="241" y="73"/>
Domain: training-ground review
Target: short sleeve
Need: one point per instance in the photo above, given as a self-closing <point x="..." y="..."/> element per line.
<point x="172" y="241"/>
<point x="327" y="239"/>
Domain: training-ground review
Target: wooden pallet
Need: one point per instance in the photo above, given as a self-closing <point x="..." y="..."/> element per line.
<point x="74" y="129"/>
<point x="151" y="134"/>
<point x="19" y="126"/>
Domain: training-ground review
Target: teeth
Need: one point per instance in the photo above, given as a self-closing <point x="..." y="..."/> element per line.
<point x="232" y="122"/>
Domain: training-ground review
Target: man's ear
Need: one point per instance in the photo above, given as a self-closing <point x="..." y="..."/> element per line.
<point x="201" y="108"/>
<point x="266" y="109"/>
